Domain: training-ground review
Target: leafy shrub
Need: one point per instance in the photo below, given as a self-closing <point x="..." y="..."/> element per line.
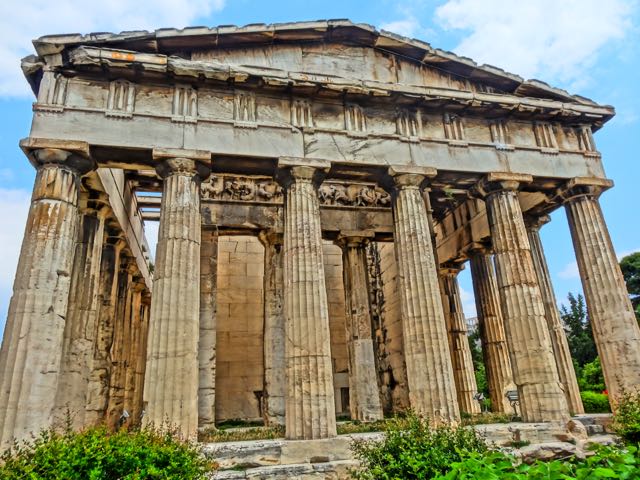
<point x="97" y="454"/>
<point x="412" y="449"/>
<point x="607" y="462"/>
<point x="626" y="421"/>
<point x="591" y="377"/>
<point x="595" y="402"/>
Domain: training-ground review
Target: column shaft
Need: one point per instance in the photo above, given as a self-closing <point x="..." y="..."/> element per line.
<point x="33" y="339"/>
<point x="429" y="372"/>
<point x="559" y="343"/>
<point x="364" y="395"/>
<point x="207" y="341"/>
<point x="171" y="386"/>
<point x="274" y="331"/>
<point x="77" y="352"/>
<point x="101" y="367"/>
<point x="539" y="388"/>
<point x="463" y="371"/>
<point x="614" y="325"/>
<point x="310" y="408"/>
<point x="491" y="324"/>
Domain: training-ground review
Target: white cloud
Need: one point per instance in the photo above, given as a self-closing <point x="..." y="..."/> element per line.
<point x="14" y="205"/>
<point x="570" y="271"/>
<point x="558" y="41"/>
<point x="409" y="26"/>
<point x="151" y="232"/>
<point x="23" y="21"/>
<point x="468" y="303"/>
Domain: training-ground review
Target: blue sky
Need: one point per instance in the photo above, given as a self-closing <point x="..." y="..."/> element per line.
<point x="590" y="47"/>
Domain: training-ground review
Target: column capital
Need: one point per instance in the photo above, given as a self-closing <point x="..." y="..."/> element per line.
<point x="583" y="187"/>
<point x="499" y="181"/>
<point x="535" y="223"/>
<point x="298" y="169"/>
<point x="450" y="269"/>
<point x="354" y="238"/>
<point x="405" y="176"/>
<point x="64" y="153"/>
<point x="271" y="237"/>
<point x="478" y="248"/>
<point x="174" y="161"/>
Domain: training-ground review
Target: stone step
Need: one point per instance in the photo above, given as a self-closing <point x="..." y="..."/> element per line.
<point x="335" y="470"/>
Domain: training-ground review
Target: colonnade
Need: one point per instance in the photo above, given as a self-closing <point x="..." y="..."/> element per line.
<point x="76" y="334"/>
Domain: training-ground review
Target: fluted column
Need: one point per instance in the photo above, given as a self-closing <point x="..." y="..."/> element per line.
<point x="140" y="359"/>
<point x="310" y="408"/>
<point x="461" y="359"/>
<point x="101" y="365"/>
<point x="364" y="396"/>
<point x="532" y="361"/>
<point x="429" y="372"/>
<point x="613" y="321"/>
<point x="171" y="385"/>
<point x="274" y="330"/>
<point x="559" y="343"/>
<point x="207" y="341"/>
<point x="133" y="351"/>
<point x="491" y="324"/>
<point x="77" y="352"/>
<point x="33" y="338"/>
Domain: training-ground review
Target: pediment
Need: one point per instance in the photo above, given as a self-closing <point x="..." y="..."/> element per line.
<point x="336" y="48"/>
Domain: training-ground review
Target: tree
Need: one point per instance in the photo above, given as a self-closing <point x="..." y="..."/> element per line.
<point x="630" y="266"/>
<point x="579" y="335"/>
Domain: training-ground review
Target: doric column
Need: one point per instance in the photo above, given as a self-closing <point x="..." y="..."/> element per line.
<point x="274" y="330"/>
<point x="461" y="359"/>
<point x="310" y="408"/>
<point x="532" y="361"/>
<point x="33" y="339"/>
<point x="101" y="367"/>
<point x="140" y="360"/>
<point x="133" y="351"/>
<point x="207" y="341"/>
<point x="614" y="325"/>
<point x="121" y="341"/>
<point x="557" y="334"/>
<point x="80" y="327"/>
<point x="171" y="385"/>
<point x="364" y="396"/>
<point x="429" y="372"/>
<point x="491" y="324"/>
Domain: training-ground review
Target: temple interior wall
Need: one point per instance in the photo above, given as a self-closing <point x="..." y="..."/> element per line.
<point x="240" y="324"/>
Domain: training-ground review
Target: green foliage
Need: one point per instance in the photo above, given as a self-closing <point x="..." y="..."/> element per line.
<point x="595" y="402"/>
<point x="630" y="266"/>
<point x="97" y="454"/>
<point x="412" y="449"/>
<point x="579" y="335"/>
<point x="626" y="421"/>
<point x="607" y="462"/>
<point x="591" y="378"/>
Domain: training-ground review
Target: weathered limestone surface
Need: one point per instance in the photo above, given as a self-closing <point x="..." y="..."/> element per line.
<point x="171" y="389"/>
<point x="428" y="360"/>
<point x="534" y="372"/>
<point x="310" y="409"/>
<point x="274" y="330"/>
<point x="559" y="343"/>
<point x="364" y="397"/>
<point x="101" y="365"/>
<point x="461" y="359"/>
<point x="491" y="323"/>
<point x="80" y="327"/>
<point x="614" y="325"/>
<point x="34" y="334"/>
<point x="207" y="330"/>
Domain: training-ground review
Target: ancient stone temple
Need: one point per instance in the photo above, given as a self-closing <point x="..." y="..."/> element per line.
<point x="318" y="188"/>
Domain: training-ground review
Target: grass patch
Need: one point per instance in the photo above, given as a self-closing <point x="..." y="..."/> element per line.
<point x="238" y="435"/>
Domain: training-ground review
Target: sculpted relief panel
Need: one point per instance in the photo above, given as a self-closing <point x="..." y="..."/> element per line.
<point x="229" y="188"/>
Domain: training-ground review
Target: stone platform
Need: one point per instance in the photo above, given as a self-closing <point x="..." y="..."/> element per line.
<point x="332" y="458"/>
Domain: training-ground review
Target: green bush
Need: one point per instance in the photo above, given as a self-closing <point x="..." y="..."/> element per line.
<point x="626" y="421"/>
<point x="591" y="378"/>
<point x="595" y="402"/>
<point x="96" y="454"/>
<point x="607" y="462"/>
<point x="412" y="449"/>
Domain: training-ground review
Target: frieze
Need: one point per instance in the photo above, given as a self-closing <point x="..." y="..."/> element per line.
<point x="232" y="188"/>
